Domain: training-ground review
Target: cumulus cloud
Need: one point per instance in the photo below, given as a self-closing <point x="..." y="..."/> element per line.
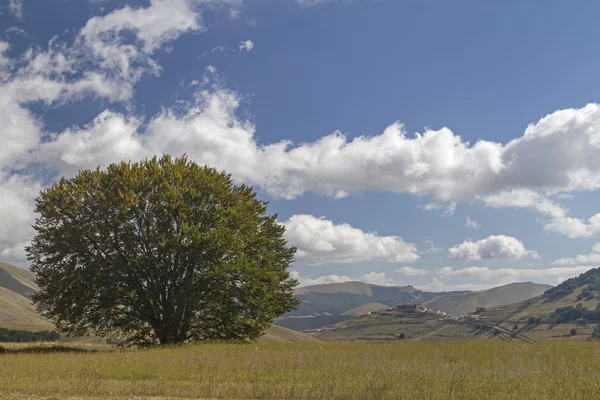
<point x="555" y="156"/>
<point x="309" y="280"/>
<point x="374" y="278"/>
<point x="471" y="223"/>
<point x="310" y="3"/>
<point x="246" y="45"/>
<point x="447" y="208"/>
<point x="17" y="194"/>
<point x="591" y="258"/>
<point x="439" y="285"/>
<point x="410" y="271"/>
<point x="494" y="247"/>
<point x="320" y="241"/>
<point x="104" y="60"/>
<point x="16" y="8"/>
<point x="436" y="163"/>
<point x="575" y="227"/>
<point x="500" y="276"/>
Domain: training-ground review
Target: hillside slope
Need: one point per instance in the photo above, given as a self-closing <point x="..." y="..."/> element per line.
<point x="338" y="298"/>
<point x="279" y="334"/>
<point x="571" y="305"/>
<point x="366" y="309"/>
<point x="16" y="309"/>
<point x="465" y="303"/>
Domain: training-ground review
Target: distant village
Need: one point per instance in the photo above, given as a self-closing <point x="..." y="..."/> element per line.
<point x="412" y="308"/>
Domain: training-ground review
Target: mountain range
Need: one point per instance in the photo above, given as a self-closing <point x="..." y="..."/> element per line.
<point x="357" y="310"/>
<point x="328" y="304"/>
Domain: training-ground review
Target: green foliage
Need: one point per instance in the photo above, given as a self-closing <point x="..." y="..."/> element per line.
<point x="570" y="314"/>
<point x="533" y="320"/>
<point x="16" y="336"/>
<point x="590" y="279"/>
<point x="159" y="251"/>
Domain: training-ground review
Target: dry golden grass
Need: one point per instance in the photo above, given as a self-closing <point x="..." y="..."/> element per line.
<point x="401" y="370"/>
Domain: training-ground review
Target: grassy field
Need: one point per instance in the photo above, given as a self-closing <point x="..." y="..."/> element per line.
<point x="400" y="370"/>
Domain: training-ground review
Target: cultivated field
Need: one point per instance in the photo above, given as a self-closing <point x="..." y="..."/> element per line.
<point x="400" y="370"/>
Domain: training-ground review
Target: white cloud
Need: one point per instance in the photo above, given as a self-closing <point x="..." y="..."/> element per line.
<point x="471" y="223"/>
<point x="495" y="277"/>
<point x="17" y="194"/>
<point x="555" y="156"/>
<point x="524" y="198"/>
<point x="246" y="45"/>
<point x="559" y="221"/>
<point x="162" y="21"/>
<point x="16" y="8"/>
<point x="374" y="278"/>
<point x="99" y="62"/>
<point x="575" y="227"/>
<point x="494" y="247"/>
<point x="437" y="285"/>
<point x="448" y="208"/>
<point x="320" y="241"/>
<point x="436" y="163"/>
<point x="591" y="258"/>
<point x="309" y="280"/>
<point x="310" y="3"/>
<point x="410" y="271"/>
<point x="378" y="278"/>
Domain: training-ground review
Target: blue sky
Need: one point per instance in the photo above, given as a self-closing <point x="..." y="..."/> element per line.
<point x="375" y="128"/>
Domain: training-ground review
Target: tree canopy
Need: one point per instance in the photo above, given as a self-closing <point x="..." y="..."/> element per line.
<point x="160" y="251"/>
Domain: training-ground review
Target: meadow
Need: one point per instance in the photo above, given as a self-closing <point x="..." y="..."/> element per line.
<point x="337" y="370"/>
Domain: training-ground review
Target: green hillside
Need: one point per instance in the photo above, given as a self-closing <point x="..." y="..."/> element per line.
<point x="413" y="322"/>
<point x="571" y="305"/>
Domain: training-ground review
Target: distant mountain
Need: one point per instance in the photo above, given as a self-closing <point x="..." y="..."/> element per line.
<point x="332" y="303"/>
<point x="338" y="298"/>
<point x="375" y="321"/>
<point x="568" y="311"/>
<point x="465" y="303"/>
<point x="16" y="309"/>
<point x="365" y="309"/>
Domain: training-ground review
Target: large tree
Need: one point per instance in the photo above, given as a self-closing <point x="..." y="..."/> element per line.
<point x="160" y="251"/>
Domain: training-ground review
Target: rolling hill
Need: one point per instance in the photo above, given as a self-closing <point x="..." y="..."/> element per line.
<point x="465" y="303"/>
<point x="17" y="311"/>
<point x="571" y="305"/>
<point x="339" y="298"/>
<point x="568" y="311"/>
<point x="329" y="304"/>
